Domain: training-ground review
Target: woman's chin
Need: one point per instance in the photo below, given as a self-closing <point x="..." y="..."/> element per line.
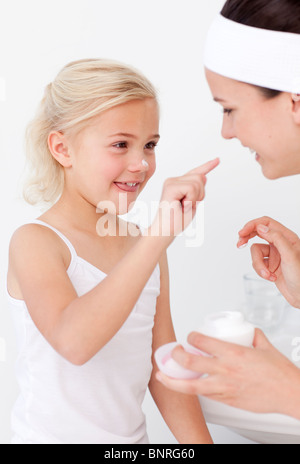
<point x="272" y="174"/>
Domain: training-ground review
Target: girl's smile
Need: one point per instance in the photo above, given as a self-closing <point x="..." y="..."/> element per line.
<point x="128" y="186"/>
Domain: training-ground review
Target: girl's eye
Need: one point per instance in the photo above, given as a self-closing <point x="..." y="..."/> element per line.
<point x="151" y="146"/>
<point x="124" y="145"/>
<point x="120" y="145"/>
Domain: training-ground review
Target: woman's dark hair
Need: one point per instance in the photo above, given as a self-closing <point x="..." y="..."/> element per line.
<point x="275" y="15"/>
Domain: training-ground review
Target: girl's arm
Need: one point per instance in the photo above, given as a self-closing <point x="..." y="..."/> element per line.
<point x="182" y="413"/>
<point x="78" y="327"/>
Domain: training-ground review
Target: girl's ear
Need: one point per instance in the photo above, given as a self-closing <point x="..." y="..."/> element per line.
<point x="296" y="108"/>
<point x="59" y="149"/>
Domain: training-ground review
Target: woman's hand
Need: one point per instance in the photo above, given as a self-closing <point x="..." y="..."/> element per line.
<point x="277" y="261"/>
<point x="258" y="379"/>
<point x="179" y="201"/>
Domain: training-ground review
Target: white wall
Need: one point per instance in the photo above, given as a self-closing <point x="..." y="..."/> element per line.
<point x="164" y="39"/>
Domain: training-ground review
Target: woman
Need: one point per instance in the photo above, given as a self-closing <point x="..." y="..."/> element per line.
<point x="252" y="62"/>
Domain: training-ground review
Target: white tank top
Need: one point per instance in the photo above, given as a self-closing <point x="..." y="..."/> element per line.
<point x="100" y="402"/>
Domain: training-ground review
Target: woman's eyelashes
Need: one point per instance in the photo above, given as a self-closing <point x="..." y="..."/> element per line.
<point x="227" y="111"/>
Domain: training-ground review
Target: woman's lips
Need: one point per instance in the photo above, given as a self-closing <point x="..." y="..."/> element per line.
<point x="253" y="152"/>
<point x="128" y="186"/>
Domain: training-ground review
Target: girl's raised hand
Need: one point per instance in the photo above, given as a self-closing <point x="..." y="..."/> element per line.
<point x="179" y="201"/>
<point x="278" y="260"/>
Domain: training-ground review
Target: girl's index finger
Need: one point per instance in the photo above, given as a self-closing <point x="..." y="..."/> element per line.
<point x="206" y="168"/>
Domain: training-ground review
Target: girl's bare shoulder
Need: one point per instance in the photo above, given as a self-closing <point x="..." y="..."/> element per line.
<point x="34" y="241"/>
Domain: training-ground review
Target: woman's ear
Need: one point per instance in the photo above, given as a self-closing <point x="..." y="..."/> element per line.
<point x="59" y="149"/>
<point x="296" y="107"/>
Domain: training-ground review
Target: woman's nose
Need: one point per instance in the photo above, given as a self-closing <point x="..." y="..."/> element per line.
<point x="227" y="129"/>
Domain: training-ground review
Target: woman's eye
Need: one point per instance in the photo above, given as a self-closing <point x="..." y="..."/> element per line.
<point x="227" y="111"/>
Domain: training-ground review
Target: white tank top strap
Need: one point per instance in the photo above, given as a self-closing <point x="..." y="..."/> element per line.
<point x="64" y="239"/>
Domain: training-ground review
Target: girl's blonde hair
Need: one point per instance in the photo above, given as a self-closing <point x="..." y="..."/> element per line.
<point x="81" y="91"/>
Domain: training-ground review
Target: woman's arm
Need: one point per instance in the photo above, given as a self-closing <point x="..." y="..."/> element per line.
<point x="182" y="413"/>
<point x="258" y="379"/>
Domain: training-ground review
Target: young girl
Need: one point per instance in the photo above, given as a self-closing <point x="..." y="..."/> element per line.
<point x="90" y="310"/>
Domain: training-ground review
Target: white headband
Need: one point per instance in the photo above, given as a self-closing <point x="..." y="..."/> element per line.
<point x="255" y="56"/>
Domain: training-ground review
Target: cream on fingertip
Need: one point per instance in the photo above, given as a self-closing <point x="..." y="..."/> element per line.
<point x="241" y="245"/>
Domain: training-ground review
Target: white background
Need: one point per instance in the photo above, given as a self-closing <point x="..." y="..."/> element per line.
<point x="164" y="39"/>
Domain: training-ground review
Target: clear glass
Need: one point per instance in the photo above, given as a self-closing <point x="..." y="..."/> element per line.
<point x="264" y="303"/>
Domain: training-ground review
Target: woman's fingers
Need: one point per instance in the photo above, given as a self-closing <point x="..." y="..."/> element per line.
<point x="208" y="386"/>
<point x="220" y="367"/>
<point x="197" y="363"/>
<point x="282" y="239"/>
<point x="261" y="341"/>
<point x="265" y="260"/>
<point x="250" y="230"/>
<point x="243" y="240"/>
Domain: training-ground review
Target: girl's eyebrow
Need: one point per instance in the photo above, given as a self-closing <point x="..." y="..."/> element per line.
<point x="124" y="134"/>
<point x="219" y="100"/>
